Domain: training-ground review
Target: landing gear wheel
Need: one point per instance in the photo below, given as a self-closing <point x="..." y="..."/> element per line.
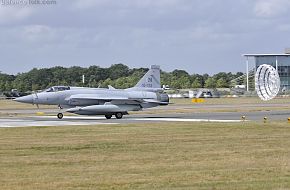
<point x="119" y="115"/>
<point x="59" y="115"/>
<point x="108" y="116"/>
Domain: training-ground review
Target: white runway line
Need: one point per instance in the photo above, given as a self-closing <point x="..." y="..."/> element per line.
<point x="186" y="120"/>
<point x="13" y="125"/>
<point x="143" y="119"/>
<point x="71" y="117"/>
<point x="10" y="123"/>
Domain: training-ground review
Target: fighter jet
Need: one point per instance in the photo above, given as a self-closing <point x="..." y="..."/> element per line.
<point x="147" y="93"/>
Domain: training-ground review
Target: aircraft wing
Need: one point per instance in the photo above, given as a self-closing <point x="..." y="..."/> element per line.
<point x="95" y="97"/>
<point x="112" y="99"/>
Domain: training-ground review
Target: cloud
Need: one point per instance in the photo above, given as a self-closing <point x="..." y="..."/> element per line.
<point x="175" y="33"/>
<point x="92" y="4"/>
<point x="271" y="8"/>
<point x="36" y="30"/>
<point x="40" y="34"/>
<point x="284" y="27"/>
<point x="87" y="4"/>
<point x="10" y="14"/>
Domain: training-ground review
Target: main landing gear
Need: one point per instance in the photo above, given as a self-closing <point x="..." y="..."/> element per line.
<point x="118" y="115"/>
<point x="108" y="116"/>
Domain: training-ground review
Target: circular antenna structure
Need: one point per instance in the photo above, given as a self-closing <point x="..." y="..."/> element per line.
<point x="267" y="82"/>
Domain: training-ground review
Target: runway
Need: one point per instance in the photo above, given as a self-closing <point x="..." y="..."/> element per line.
<point x="226" y="117"/>
<point x="38" y="121"/>
<point x="217" y="111"/>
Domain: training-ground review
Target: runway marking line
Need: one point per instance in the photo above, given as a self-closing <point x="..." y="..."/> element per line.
<point x="149" y="119"/>
<point x="70" y="117"/>
<point x="186" y="120"/>
<point x="10" y="123"/>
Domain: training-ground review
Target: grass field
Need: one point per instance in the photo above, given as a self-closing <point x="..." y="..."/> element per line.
<point x="240" y="100"/>
<point x="142" y="156"/>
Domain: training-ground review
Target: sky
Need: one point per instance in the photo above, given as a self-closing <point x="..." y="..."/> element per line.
<point x="199" y="36"/>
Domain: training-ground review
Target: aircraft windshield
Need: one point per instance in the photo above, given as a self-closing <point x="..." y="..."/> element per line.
<point x="57" y="88"/>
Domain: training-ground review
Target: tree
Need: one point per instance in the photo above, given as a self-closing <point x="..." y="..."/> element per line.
<point x="165" y="78"/>
<point x="8" y="86"/>
<point x="118" y="75"/>
<point x="122" y="83"/>
<point x="107" y="82"/>
<point x="95" y="73"/>
<point x="204" y="78"/>
<point x="222" y="83"/>
<point x="196" y="83"/>
<point x="180" y="73"/>
<point x="185" y="82"/>
<point x="35" y="87"/>
<point x="210" y="83"/>
<point x="2" y="85"/>
<point x="118" y="70"/>
<point x="6" y="82"/>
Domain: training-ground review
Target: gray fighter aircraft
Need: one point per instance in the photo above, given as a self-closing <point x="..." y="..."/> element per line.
<point x="147" y="93"/>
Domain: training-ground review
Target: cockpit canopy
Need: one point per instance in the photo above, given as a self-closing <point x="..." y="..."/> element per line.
<point x="57" y="88"/>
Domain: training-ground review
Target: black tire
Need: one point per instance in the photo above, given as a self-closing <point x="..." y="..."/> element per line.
<point x="108" y="116"/>
<point x="59" y="115"/>
<point x="119" y="115"/>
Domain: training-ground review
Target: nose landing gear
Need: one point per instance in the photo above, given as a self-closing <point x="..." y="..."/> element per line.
<point x="59" y="115"/>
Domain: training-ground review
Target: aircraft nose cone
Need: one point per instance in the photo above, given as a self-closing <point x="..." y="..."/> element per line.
<point x="25" y="99"/>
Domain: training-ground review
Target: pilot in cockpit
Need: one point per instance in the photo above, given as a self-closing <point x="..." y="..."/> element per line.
<point x="57" y="88"/>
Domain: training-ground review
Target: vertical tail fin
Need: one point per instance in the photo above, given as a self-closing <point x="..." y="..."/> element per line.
<point x="151" y="79"/>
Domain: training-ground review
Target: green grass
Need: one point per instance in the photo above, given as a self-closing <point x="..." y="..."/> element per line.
<point x="147" y="156"/>
<point x="240" y="100"/>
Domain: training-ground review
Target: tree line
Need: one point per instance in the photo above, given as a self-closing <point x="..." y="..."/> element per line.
<point x="118" y="75"/>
